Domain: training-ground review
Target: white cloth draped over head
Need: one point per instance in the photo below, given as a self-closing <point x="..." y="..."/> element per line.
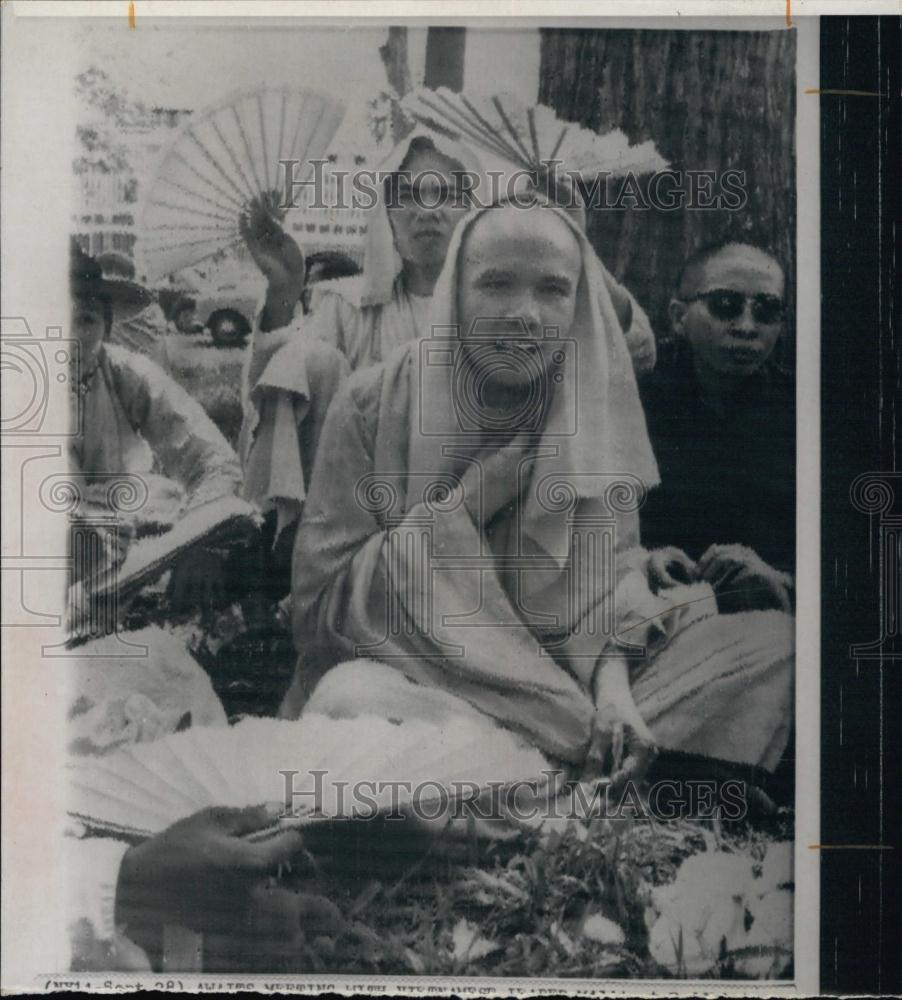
<point x="595" y="427"/>
<point x="381" y="261"/>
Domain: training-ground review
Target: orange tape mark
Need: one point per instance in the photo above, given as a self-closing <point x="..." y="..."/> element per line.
<point x="788" y="13"/>
<point x="131" y="15"/>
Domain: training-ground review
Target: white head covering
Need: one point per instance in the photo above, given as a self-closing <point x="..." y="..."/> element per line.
<point x="381" y="261"/>
<point x="595" y="427"/>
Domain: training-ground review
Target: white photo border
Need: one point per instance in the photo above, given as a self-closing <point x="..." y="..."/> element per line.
<point x="36" y="178"/>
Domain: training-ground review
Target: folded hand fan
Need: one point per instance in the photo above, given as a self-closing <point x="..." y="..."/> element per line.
<point x="221" y="160"/>
<point x="505" y="133"/>
<point x="341" y="768"/>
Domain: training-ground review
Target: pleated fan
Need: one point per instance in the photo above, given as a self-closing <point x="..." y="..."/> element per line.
<point x="507" y="133"/>
<point x="142" y="789"/>
<point x="220" y="161"/>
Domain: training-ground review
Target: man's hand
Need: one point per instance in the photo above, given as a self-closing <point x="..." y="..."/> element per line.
<point x="494" y="479"/>
<point x="669" y="567"/>
<point x="743" y="581"/>
<point x="277" y="255"/>
<point x="622" y="746"/>
<point x="280" y="926"/>
<point x="203" y="873"/>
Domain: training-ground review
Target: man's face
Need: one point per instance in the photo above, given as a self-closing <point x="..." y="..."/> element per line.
<point x="422" y="232"/>
<point x="88" y="328"/>
<point x="519" y="274"/>
<point x="733" y="316"/>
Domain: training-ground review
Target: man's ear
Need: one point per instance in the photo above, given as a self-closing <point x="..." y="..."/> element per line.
<point x="677" y="312"/>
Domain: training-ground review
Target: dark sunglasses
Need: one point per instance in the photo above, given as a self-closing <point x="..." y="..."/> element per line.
<point x="726" y="304"/>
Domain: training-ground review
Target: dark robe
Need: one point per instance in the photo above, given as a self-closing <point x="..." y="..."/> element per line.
<point x="724" y="477"/>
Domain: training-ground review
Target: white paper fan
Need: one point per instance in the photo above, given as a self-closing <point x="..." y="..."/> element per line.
<point x="506" y="132"/>
<point x="142" y="789"/>
<point x="222" y="159"/>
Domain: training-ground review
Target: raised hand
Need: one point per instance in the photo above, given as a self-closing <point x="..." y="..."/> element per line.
<point x="277" y="255"/>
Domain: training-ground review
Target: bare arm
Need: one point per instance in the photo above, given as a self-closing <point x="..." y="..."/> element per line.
<point x="279" y="258"/>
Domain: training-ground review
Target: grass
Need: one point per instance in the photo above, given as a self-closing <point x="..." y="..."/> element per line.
<point x="212" y="376"/>
<point x="507" y="911"/>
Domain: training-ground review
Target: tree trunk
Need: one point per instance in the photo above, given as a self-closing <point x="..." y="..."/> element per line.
<point x="710" y="101"/>
<point x="394" y="58"/>
<point x="397" y="70"/>
<point x="445" y="49"/>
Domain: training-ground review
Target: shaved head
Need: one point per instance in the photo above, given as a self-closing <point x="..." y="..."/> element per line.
<point x="694" y="275"/>
<point x="519" y="274"/>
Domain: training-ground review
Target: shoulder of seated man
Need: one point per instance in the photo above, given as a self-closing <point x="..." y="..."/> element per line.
<point x="780" y="377"/>
<point x="780" y="394"/>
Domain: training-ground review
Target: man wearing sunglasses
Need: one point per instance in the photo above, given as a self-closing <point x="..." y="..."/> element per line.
<point x="722" y="423"/>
